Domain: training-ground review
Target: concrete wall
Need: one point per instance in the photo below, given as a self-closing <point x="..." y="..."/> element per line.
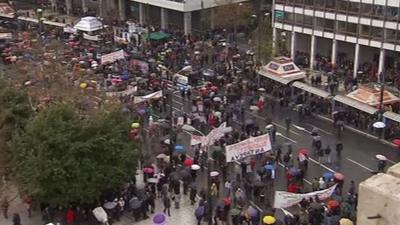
<point x="380" y="195"/>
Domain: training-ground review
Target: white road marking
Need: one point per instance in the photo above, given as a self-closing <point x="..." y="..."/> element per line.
<point x="179" y="103"/>
<point x="286" y="212"/>
<point x="307" y="181"/>
<point x="359" y="164"/>
<point x="322" y="130"/>
<point x="281" y="135"/>
<point x="322" y="165"/>
<point x="276" y="124"/>
<point x="301" y="128"/>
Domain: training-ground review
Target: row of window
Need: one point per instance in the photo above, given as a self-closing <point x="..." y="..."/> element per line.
<point x="341" y="27"/>
<point x="346" y="7"/>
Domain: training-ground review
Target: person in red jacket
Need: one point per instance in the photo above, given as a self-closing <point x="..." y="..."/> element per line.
<point x="70" y="216"/>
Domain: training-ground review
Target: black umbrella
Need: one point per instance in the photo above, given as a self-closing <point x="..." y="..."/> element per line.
<point x="135" y="203"/>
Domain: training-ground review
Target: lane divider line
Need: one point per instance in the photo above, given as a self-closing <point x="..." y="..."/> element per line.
<point x="359" y="164"/>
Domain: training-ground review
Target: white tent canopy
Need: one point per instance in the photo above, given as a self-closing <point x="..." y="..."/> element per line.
<point x="89" y="24"/>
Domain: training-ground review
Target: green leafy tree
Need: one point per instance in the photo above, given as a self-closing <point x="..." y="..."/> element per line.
<point x="63" y="157"/>
<point x="262" y="37"/>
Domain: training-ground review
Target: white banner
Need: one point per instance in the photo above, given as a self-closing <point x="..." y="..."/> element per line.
<point x="285" y="199"/>
<point x="70" y="30"/>
<point x="91" y="37"/>
<point x="5" y="35"/>
<point x="155" y="95"/>
<point x="215" y="134"/>
<point x="196" y="139"/>
<point x="248" y="147"/>
<point x="112" y="57"/>
<point x="129" y="91"/>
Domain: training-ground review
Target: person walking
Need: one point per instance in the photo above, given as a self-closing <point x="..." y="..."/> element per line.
<point x="381" y="165"/>
<point x="339" y="149"/>
<point x="167" y="204"/>
<point x="328" y="154"/>
<point x="288" y="122"/>
<point x="193" y="193"/>
<point x="16" y="219"/>
<point x="199" y="212"/>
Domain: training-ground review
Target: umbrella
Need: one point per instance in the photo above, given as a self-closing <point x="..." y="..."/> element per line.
<point x="249" y="122"/>
<point x="179" y="148"/>
<point x="135" y="125"/>
<point x="135" y="203"/>
<point x="235" y="211"/>
<point x="195" y="167"/>
<point x="379" y="125"/>
<point x="332" y="204"/>
<point x="148" y="170"/>
<point x="157" y="36"/>
<point x="381" y="157"/>
<point x="338" y="176"/>
<point x="152" y="180"/>
<point x="254" y="108"/>
<point x="269" y="167"/>
<point x="166" y="141"/>
<point x="227" y="201"/>
<point x="218" y="114"/>
<point x="174" y="176"/>
<point x="214" y="88"/>
<point x="345" y="221"/>
<point x="261" y="89"/>
<point x="159" y="219"/>
<point x="303" y="151"/>
<point x="184" y="173"/>
<point x="327" y="175"/>
<point x="214" y="173"/>
<point x="396" y="142"/>
<point x="217" y="99"/>
<point x="251" y="211"/>
<point x="269" y="126"/>
<point x="109" y="205"/>
<point x="269" y="220"/>
<point x="188" y="162"/>
<point x="161" y="156"/>
<point x="293" y="171"/>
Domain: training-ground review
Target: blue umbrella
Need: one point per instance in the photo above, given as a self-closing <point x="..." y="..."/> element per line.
<point x="179" y="148"/>
<point x="269" y="167"/>
<point x="327" y="175"/>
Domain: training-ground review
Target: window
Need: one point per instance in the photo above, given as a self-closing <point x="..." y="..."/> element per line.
<point x="378" y="11"/>
<point x="364" y="31"/>
<point x="366" y="9"/>
<point x="329" y="25"/>
<point x="390" y="35"/>
<point x="299" y="19"/>
<point x="354" y="7"/>
<point x="309" y="3"/>
<point x="320" y="4"/>
<point x="330" y="5"/>
<point x="319" y="23"/>
<point x="341" y="28"/>
<point x="351" y="28"/>
<point x="299" y="3"/>
<point x="376" y="33"/>
<point x="392" y="13"/>
<point x="342" y="5"/>
<point x="288" y="17"/>
<point x="308" y="21"/>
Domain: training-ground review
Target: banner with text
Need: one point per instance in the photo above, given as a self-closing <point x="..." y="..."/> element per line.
<point x="196" y="139"/>
<point x="155" y="95"/>
<point x="248" y="147"/>
<point x="214" y="135"/>
<point x="285" y="199"/>
<point x="112" y="57"/>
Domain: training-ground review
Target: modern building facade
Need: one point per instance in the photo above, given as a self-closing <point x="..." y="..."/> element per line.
<point x="363" y="31"/>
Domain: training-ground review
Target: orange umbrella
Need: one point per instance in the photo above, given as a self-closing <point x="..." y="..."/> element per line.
<point x="332" y="204"/>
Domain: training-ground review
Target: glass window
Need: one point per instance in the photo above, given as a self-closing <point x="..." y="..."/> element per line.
<point x="364" y="31"/>
<point x="288" y="17"/>
<point x="341" y="27"/>
<point x="309" y="3"/>
<point x="342" y="5"/>
<point x="366" y="9"/>
<point x="392" y="13"/>
<point x="330" y="5"/>
<point x="280" y="1"/>
<point x="290" y="2"/>
<point x="390" y="36"/>
<point x="378" y="11"/>
<point x="320" y="4"/>
<point x="351" y="28"/>
<point x="299" y="19"/>
<point x="308" y="21"/>
<point x="354" y="7"/>
<point x="299" y="3"/>
<point x="376" y="33"/>
<point x="319" y="23"/>
<point x="329" y="25"/>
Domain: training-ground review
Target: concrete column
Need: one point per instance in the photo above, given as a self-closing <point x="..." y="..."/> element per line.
<point x="101" y="7"/>
<point x="141" y="14"/>
<point x="164" y="18"/>
<point x="122" y="10"/>
<point x="84" y="7"/>
<point x="381" y="65"/>
<point x="274" y="40"/>
<point x="356" y="59"/>
<point x="312" y="51"/>
<point x="68" y="4"/>
<point x="212" y="18"/>
<point x="334" y="52"/>
<point x="54" y="5"/>
<point x="187" y="22"/>
<point x="293" y="45"/>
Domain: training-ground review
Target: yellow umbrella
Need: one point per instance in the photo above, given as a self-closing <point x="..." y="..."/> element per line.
<point x="345" y="221"/>
<point x="83" y="85"/>
<point x="135" y="125"/>
<point x="269" y="220"/>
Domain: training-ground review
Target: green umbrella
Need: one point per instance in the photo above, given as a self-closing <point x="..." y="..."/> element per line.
<point x="235" y="211"/>
<point x="157" y="36"/>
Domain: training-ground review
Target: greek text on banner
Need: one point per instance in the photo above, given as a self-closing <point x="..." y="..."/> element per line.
<point x="248" y="147"/>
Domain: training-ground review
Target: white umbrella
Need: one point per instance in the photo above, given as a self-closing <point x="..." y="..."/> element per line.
<point x="166" y="141"/>
<point x="161" y="156"/>
<point x="218" y="114"/>
<point x="381" y="157"/>
<point x="214" y="173"/>
<point x="217" y="99"/>
<point x="269" y="126"/>
<point x="195" y="167"/>
<point x="379" y="125"/>
<point x="109" y="205"/>
<point x="254" y="108"/>
<point x="261" y="89"/>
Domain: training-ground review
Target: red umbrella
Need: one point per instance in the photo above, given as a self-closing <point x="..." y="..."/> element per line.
<point x="148" y="170"/>
<point x="396" y="142"/>
<point x="332" y="204"/>
<point x="188" y="162"/>
<point x="214" y="88"/>
<point x="227" y="201"/>
<point x="303" y="151"/>
<point x="338" y="176"/>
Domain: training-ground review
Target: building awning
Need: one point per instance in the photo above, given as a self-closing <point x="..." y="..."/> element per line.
<point x="311" y="89"/>
<point x="392" y="116"/>
<point x="355" y="104"/>
<point x="279" y="79"/>
<point x="52" y="23"/>
<point x="28" y="19"/>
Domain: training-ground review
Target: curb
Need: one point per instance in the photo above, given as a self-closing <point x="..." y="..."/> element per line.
<point x="358" y="131"/>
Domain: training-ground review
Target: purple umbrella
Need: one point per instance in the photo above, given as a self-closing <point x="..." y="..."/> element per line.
<point x="159" y="219"/>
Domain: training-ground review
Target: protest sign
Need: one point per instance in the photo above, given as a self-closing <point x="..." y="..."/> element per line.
<point x="214" y="135"/>
<point x="248" y="147"/>
<point x="285" y="199"/>
<point x="155" y="95"/>
<point x="196" y="139"/>
<point x="112" y="57"/>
